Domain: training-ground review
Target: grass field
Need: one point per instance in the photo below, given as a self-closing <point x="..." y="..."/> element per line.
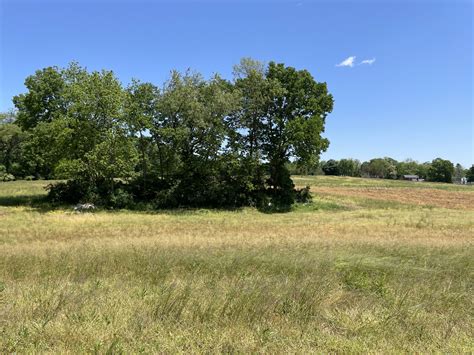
<point x="370" y="265"/>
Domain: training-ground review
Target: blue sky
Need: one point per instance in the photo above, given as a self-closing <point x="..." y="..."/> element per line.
<point x="414" y="101"/>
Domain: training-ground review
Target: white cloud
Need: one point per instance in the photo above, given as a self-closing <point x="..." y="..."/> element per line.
<point x="348" y="62"/>
<point x="368" y="61"/>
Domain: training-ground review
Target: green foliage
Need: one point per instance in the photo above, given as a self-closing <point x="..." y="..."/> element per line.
<point x="470" y="174"/>
<point x="140" y="107"/>
<point x="195" y="143"/>
<point x="115" y="157"/>
<point x="304" y="195"/>
<point x="11" y="139"/>
<point x="44" y="100"/>
<point x="294" y="123"/>
<point x="7" y="177"/>
<point x="46" y="145"/>
<point x="282" y="115"/>
<point x="69" y="168"/>
<point x="331" y="167"/>
<point x="441" y="171"/>
<point x="349" y="167"/>
<point x="299" y="168"/>
<point x="380" y="168"/>
<point x="4" y="175"/>
<point x="71" y="191"/>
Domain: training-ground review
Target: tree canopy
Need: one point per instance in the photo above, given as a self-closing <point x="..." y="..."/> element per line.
<point x="441" y="170"/>
<point x="194" y="142"/>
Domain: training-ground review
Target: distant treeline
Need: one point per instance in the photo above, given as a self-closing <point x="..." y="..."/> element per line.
<point x="191" y="142"/>
<point x="438" y="170"/>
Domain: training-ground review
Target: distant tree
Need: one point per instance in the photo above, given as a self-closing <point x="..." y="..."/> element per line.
<point x="345" y="167"/>
<point x="412" y="167"/>
<point x="470" y="174"/>
<point x="8" y="117"/>
<point x="407" y="167"/>
<point x="422" y="170"/>
<point x="11" y="139"/>
<point x="441" y="171"/>
<point x="390" y="168"/>
<point x="459" y="173"/>
<point x="331" y="167"/>
<point x="377" y="168"/>
<point x="297" y="168"/>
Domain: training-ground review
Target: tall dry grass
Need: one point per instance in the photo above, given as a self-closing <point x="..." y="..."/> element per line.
<point x="346" y="274"/>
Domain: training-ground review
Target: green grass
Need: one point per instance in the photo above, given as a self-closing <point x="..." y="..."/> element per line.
<point x="363" y="182"/>
<point x="344" y="274"/>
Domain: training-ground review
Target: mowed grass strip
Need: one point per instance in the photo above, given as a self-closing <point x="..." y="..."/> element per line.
<point x="340" y="275"/>
<point x="347" y="181"/>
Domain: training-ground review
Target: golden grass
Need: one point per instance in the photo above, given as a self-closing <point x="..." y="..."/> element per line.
<point x="348" y="273"/>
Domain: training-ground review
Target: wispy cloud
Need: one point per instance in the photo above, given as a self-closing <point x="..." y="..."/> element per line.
<point x="348" y="62"/>
<point x="368" y="61"/>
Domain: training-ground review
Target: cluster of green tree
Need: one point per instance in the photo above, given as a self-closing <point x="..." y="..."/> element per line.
<point x="438" y="170"/>
<point x="193" y="142"/>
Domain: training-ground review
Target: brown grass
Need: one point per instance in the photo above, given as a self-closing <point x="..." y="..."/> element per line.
<point x="463" y="200"/>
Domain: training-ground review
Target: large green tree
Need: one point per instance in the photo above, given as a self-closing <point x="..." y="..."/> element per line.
<point x="295" y="123"/>
<point x="66" y="113"/>
<point x="283" y="116"/>
<point x="441" y="170"/>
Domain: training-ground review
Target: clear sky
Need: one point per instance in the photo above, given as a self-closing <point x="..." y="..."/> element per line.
<point x="414" y="101"/>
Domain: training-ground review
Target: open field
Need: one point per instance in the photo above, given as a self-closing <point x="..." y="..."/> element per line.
<point x="370" y="265"/>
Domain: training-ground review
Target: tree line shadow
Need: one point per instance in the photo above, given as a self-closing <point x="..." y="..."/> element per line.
<point x="39" y="203"/>
<point x="36" y="202"/>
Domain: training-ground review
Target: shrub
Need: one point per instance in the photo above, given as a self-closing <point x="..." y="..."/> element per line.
<point x="304" y="195"/>
<point x="6" y="177"/>
<point x="72" y="191"/>
<point x="120" y="198"/>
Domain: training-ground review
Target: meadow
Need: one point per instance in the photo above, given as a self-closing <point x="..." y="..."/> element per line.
<point x="370" y="265"/>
